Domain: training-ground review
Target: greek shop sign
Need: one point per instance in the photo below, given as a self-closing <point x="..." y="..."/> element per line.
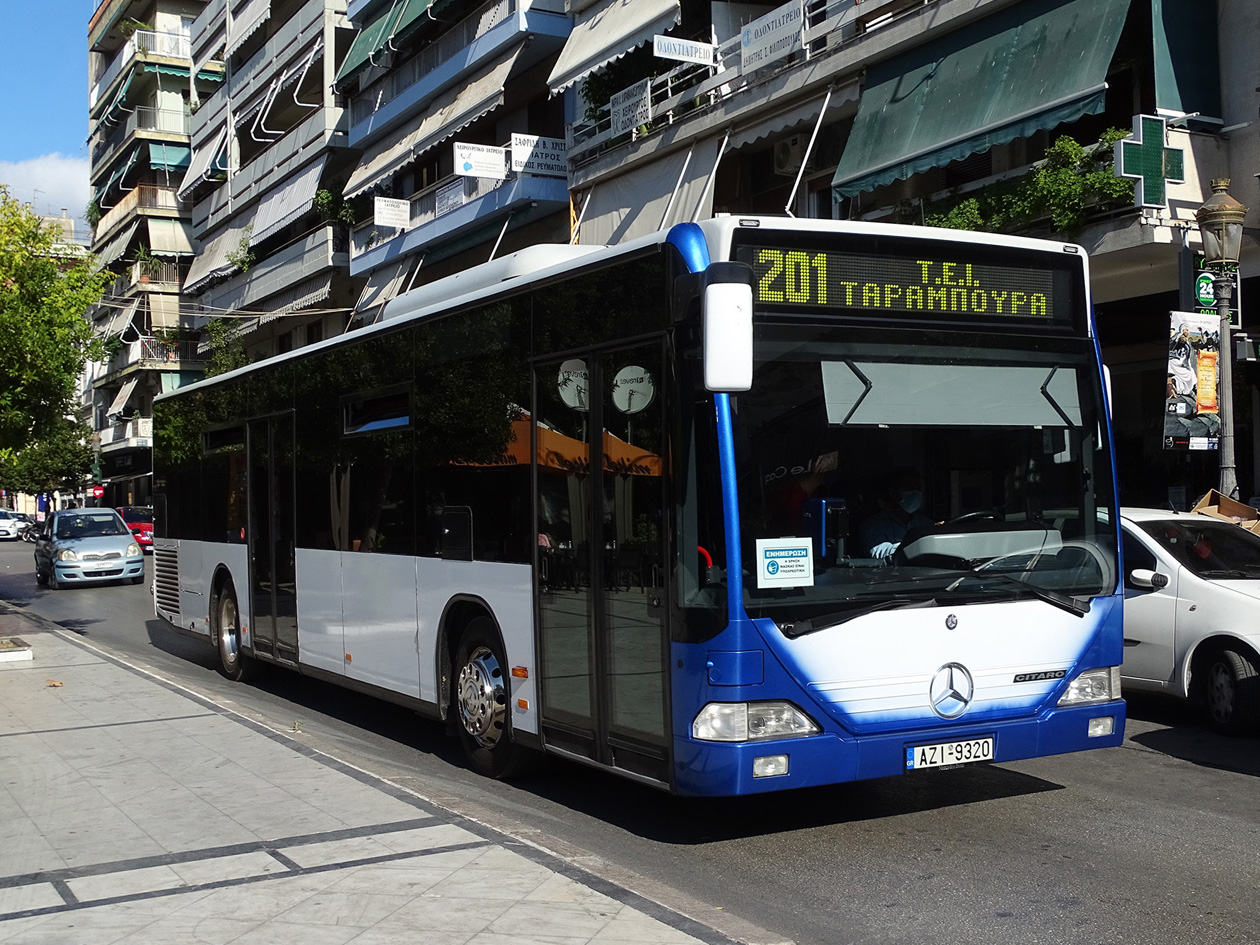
<point x="772" y="37"/>
<point x="544" y="157"/>
<point x="683" y="50"/>
<point x="785" y="562"/>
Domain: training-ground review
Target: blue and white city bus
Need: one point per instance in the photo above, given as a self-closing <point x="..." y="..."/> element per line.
<point x="616" y="504"/>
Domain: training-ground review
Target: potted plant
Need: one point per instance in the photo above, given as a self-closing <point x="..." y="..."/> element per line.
<point x="147" y="264"/>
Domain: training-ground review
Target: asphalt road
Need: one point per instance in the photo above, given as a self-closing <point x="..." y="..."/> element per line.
<point x="1155" y="842"/>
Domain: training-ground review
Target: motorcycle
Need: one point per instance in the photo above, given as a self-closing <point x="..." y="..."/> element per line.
<point x="28" y="531"/>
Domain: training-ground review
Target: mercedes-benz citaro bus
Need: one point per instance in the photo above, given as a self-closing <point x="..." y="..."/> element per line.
<point x="750" y="504"/>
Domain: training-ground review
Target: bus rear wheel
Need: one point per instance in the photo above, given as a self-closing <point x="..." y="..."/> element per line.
<point x="481" y="697"/>
<point x="227" y="632"/>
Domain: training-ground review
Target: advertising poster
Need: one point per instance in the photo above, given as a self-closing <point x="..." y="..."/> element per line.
<point x="1191" y="406"/>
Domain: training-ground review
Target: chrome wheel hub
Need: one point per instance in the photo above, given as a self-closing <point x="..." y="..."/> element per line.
<point x="482" y="698"/>
<point x="227" y="628"/>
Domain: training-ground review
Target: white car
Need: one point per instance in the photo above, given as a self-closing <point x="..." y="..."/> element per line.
<point x="10" y="525"/>
<point x="1192" y="613"/>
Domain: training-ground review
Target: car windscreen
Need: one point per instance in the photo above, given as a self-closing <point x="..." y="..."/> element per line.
<point x="1209" y="548"/>
<point x="137" y="516"/>
<point x="90" y="526"/>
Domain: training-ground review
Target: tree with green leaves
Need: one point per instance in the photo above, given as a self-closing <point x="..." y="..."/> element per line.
<point x="45" y="341"/>
<point x="55" y="462"/>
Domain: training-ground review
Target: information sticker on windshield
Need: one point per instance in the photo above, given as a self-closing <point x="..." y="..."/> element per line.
<point x="785" y="562"/>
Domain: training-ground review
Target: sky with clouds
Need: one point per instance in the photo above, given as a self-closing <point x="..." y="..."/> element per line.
<point x="43" y="107"/>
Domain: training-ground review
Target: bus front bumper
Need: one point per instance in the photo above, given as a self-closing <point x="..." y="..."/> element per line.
<point x="722" y="769"/>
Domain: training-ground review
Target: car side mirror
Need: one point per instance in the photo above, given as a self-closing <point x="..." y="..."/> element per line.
<point x="1145" y="577"/>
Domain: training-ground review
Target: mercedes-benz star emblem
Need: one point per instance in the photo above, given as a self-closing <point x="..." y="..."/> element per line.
<point x="951" y="691"/>
<point x="951" y="622"/>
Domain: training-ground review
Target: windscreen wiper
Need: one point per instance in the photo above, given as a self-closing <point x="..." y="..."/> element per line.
<point x="1062" y="601"/>
<point x="799" y="628"/>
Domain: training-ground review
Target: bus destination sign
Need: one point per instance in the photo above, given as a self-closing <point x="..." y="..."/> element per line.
<point x="800" y="279"/>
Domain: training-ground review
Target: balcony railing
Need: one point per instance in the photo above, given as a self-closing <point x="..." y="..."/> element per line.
<point x="144" y="118"/>
<point x="149" y="351"/>
<point x="460" y="36"/>
<point x="139" y="428"/>
<point x="142" y="42"/>
<point x="688" y="87"/>
<point x="448" y="194"/>
<point x="147" y="196"/>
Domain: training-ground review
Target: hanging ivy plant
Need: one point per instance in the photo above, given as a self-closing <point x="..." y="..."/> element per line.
<point x="242" y="257"/>
<point x="1071" y="184"/>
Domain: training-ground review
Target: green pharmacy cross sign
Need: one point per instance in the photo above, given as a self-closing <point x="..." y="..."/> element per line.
<point x="1152" y="164"/>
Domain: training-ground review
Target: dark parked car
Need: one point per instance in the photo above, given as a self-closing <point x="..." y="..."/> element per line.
<point x="86" y="546"/>
<point x="139" y="519"/>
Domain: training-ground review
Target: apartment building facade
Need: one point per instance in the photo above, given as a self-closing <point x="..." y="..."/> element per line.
<point x="141" y="88"/>
<point x="895" y="110"/>
<point x="269" y="158"/>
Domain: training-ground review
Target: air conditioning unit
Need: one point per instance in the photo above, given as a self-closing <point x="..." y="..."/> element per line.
<point x="788" y="155"/>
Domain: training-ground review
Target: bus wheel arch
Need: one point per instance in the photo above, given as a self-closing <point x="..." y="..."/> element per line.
<point x="477" y="690"/>
<point x="225" y="627"/>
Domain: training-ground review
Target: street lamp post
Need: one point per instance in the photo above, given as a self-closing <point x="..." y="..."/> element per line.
<point x="1220" y="222"/>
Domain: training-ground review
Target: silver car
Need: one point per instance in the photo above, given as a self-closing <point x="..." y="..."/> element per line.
<point x="86" y="546"/>
<point x="1192" y="613"/>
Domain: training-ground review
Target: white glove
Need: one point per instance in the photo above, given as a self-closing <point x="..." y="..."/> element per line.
<point x="884" y="549"/>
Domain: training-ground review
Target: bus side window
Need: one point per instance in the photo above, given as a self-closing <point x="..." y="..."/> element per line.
<point x="457" y="533"/>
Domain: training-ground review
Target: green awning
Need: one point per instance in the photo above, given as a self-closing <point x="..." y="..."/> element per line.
<point x="394" y="25"/>
<point x="182" y="71"/>
<point x="1187" y="58"/>
<point x="369" y="40"/>
<point x="169" y="157"/>
<point x="1027" y="68"/>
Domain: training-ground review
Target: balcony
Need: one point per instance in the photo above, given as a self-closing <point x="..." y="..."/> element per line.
<point x="440" y="52"/>
<point x="141" y="45"/>
<point x="137" y="432"/>
<point x="149" y="352"/>
<point x="451" y="206"/>
<point x="281" y="50"/>
<point x="144" y="118"/>
<point x="689" y="88"/>
<point x="142" y="196"/>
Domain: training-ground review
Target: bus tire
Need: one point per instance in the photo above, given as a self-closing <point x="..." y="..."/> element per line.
<point x="480" y="702"/>
<point x="1232" y="691"/>
<point x="233" y="663"/>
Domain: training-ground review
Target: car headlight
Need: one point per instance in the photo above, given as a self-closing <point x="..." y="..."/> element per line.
<point x="749" y="721"/>
<point x="1093" y="685"/>
<point x="65" y="554"/>
<point x="132" y="550"/>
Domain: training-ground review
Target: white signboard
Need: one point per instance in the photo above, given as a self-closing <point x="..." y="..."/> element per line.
<point x="771" y="37"/>
<point x="449" y="197"/>
<point x="480" y="160"/>
<point x="544" y="157"/>
<point x="386" y="211"/>
<point x="631" y="107"/>
<point x="683" y="50"/>
<point x="785" y="562"/>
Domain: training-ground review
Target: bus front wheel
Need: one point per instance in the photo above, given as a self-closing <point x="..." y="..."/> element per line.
<point x="227" y="632"/>
<point x="481" y="696"/>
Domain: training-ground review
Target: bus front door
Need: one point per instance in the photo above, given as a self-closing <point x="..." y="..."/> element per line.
<point x="599" y="433"/>
<point x="273" y="577"/>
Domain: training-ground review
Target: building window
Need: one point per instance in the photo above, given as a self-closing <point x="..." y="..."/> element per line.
<point x="284" y="342"/>
<point x="314" y="332"/>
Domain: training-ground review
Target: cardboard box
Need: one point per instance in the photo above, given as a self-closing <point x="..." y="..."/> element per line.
<point x="1229" y="510"/>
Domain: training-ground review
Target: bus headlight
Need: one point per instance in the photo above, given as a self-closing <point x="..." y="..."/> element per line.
<point x="65" y="554"/>
<point x="1093" y="685"/>
<point x="750" y="721"/>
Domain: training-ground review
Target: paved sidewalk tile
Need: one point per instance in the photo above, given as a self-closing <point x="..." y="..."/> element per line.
<point x="134" y="812"/>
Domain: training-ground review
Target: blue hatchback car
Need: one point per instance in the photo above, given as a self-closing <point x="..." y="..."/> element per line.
<point x="86" y="546"/>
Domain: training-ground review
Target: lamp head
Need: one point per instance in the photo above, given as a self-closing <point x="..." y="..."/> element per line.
<point x="1220" y="222"/>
